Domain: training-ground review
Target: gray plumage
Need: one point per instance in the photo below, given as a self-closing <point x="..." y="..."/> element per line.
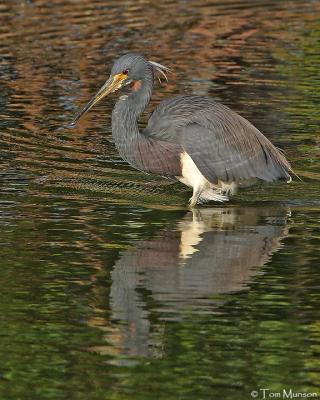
<point x="225" y="147"/>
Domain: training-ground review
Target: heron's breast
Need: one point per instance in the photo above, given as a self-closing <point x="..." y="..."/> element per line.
<point x="154" y="156"/>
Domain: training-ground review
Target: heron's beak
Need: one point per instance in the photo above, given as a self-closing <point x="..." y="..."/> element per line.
<point x="112" y="84"/>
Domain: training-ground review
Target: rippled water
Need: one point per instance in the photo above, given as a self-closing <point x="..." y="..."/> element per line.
<point x="110" y="287"/>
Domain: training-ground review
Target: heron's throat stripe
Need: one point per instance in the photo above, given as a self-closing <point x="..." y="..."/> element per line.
<point x="136" y="85"/>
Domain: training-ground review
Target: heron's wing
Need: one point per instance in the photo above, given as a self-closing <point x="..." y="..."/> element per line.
<point x="222" y="144"/>
<point x="221" y="156"/>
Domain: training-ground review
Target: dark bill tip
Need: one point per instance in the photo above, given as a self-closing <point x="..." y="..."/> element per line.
<point x="71" y="125"/>
<point x="112" y="84"/>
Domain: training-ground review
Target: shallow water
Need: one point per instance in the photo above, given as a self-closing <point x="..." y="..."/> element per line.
<point x="111" y="287"/>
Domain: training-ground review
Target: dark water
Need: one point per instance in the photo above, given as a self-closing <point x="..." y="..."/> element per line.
<point x="110" y="287"/>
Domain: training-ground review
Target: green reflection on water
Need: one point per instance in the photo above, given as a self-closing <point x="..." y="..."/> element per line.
<point x="100" y="323"/>
<point x="299" y="63"/>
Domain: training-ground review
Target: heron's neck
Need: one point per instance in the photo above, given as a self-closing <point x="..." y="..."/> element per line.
<point x="125" y="117"/>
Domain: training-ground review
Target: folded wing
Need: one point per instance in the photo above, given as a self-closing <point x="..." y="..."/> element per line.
<point x="222" y="144"/>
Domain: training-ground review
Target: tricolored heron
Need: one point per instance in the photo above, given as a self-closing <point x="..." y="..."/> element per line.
<point x="193" y="139"/>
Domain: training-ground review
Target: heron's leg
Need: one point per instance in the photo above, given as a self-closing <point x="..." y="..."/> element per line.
<point x="195" y="196"/>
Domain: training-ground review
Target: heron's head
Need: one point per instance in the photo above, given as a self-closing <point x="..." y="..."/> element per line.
<point x="130" y="69"/>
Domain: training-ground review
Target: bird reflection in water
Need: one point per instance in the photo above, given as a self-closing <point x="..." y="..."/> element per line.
<point x="210" y="251"/>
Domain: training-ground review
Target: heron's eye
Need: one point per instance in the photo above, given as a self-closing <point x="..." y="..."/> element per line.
<point x="125" y="72"/>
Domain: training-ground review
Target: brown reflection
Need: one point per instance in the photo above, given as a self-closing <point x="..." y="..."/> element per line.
<point x="210" y="251"/>
<point x="48" y="72"/>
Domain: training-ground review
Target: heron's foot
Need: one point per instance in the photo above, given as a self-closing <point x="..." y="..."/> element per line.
<point x="201" y="197"/>
<point x="212" y="195"/>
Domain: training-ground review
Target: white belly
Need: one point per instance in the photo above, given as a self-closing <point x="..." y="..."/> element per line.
<point x="190" y="174"/>
<point x="203" y="190"/>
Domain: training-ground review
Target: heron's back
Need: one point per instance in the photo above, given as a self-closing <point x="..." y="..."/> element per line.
<point x="223" y="145"/>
